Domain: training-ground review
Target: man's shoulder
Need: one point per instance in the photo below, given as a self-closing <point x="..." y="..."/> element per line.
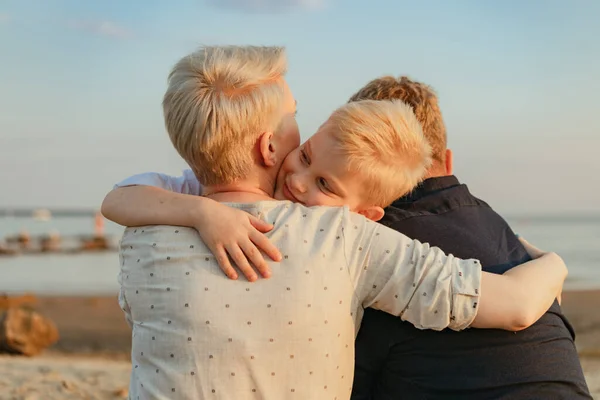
<point x="438" y="204"/>
<point x="153" y="234"/>
<point x="302" y="211"/>
<point x="316" y="218"/>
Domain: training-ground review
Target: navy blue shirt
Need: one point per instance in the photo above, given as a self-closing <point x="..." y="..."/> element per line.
<point x="394" y="360"/>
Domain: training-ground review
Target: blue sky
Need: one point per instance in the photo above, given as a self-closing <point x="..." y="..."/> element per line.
<point x="82" y="83"/>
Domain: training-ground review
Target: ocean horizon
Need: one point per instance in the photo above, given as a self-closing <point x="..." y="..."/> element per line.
<point x="576" y="238"/>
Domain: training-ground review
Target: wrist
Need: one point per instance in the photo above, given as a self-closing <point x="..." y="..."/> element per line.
<point x="197" y="213"/>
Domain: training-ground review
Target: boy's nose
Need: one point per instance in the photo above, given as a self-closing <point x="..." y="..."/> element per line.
<point x="296" y="184"/>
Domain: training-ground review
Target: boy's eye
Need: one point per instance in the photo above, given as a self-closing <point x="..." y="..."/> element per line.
<point x="323" y="184"/>
<point x="304" y="157"/>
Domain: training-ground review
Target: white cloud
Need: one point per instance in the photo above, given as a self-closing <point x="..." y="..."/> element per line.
<point x="268" y="6"/>
<point x="102" y="28"/>
<point x="4" y="17"/>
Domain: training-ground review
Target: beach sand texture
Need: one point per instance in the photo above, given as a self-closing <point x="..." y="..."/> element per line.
<point x="91" y="359"/>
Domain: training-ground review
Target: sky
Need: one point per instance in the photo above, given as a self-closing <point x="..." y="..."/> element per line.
<point x="81" y="83"/>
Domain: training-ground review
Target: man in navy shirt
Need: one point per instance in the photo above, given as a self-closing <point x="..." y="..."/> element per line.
<point x="394" y="360"/>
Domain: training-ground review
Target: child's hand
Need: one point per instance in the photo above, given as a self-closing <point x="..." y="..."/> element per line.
<point x="231" y="233"/>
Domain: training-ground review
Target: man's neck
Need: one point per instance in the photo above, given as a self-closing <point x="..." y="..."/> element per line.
<point x="436" y="172"/>
<point x="248" y="191"/>
<point x="238" y="197"/>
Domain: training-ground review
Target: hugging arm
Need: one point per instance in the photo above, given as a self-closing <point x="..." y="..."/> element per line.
<point x="525" y="292"/>
<point x="433" y="290"/>
<point x="229" y="233"/>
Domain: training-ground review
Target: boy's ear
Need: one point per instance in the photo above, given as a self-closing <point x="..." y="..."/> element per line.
<point x="374" y="213"/>
<point x="449" y="162"/>
<point x="266" y="146"/>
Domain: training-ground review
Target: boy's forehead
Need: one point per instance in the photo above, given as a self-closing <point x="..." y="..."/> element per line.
<point x="324" y="150"/>
<point x="321" y="140"/>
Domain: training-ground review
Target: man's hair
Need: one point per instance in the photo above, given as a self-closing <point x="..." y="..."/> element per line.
<point x="421" y="98"/>
<point x="385" y="146"/>
<point x="218" y="101"/>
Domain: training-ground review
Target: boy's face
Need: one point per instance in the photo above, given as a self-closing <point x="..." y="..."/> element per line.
<point x="315" y="174"/>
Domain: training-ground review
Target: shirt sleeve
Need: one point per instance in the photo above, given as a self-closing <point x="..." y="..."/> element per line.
<point x="185" y="184"/>
<point x="410" y="279"/>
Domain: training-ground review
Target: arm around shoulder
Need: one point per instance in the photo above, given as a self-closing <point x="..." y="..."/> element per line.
<point x="518" y="298"/>
<point x="148" y="205"/>
<point x="432" y="290"/>
<point x="414" y="281"/>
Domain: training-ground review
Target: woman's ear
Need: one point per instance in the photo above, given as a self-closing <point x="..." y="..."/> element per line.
<point x="373" y="213"/>
<point x="267" y="149"/>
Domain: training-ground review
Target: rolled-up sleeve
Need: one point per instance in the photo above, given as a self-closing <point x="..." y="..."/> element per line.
<point x="466" y="288"/>
<point x="412" y="280"/>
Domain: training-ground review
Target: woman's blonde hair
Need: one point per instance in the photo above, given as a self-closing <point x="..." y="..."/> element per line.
<point x="218" y="101"/>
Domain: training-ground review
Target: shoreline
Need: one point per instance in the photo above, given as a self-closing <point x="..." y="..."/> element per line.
<point x="91" y="358"/>
<point x="96" y="324"/>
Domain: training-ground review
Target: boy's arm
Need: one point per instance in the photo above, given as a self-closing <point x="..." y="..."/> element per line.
<point x="148" y="205"/>
<point x="226" y="231"/>
<point x="127" y="207"/>
<point x="433" y="290"/>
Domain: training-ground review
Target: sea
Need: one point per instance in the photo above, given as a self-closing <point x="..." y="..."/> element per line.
<point x="575" y="238"/>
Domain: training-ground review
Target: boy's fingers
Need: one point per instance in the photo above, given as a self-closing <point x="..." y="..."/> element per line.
<point x="259" y="224"/>
<point x="263" y="243"/>
<point x="224" y="263"/>
<point x="241" y="262"/>
<point x="256" y="258"/>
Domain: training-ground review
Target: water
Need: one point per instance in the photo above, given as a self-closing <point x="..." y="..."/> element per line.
<point x="69" y="274"/>
<point x="577" y="240"/>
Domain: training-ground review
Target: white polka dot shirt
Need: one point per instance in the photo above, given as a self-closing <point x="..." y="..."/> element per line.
<point x="199" y="335"/>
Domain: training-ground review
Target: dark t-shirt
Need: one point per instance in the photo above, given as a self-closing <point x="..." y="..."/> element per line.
<point x="394" y="360"/>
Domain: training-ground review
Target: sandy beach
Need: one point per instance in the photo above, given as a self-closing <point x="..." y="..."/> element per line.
<point x="90" y="361"/>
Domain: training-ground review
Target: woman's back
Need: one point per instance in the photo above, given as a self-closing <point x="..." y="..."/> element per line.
<point x="197" y="334"/>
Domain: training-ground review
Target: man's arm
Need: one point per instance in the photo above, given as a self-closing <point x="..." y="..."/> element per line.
<point x="433" y="290"/>
<point x="530" y="288"/>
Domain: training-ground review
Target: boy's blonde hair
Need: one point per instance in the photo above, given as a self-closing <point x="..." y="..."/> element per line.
<point x="218" y="101"/>
<point x="385" y="146"/>
<point x="421" y="98"/>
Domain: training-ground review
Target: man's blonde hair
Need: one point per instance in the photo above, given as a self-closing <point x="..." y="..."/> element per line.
<point x="421" y="98"/>
<point x="218" y="101"/>
<point x="385" y="146"/>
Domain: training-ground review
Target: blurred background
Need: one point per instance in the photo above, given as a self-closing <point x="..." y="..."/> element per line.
<point x="81" y="84"/>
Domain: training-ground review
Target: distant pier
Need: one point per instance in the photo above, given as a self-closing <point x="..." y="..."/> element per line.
<point x="54" y="242"/>
<point x="54" y="212"/>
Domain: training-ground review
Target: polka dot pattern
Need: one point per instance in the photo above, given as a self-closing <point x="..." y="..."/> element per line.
<point x="293" y="334"/>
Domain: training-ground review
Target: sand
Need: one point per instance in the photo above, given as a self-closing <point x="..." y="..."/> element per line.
<point x="59" y="376"/>
<point x="91" y="359"/>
